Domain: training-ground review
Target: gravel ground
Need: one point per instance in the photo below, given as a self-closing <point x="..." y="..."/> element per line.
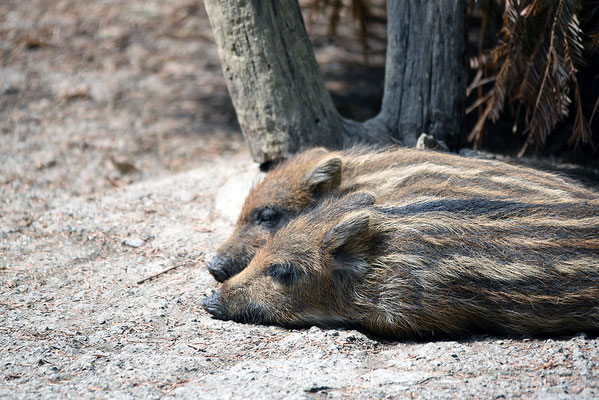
<point x="121" y="167"/>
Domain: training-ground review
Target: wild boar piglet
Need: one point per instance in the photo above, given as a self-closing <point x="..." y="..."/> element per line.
<point x="393" y="174"/>
<point x="428" y="267"/>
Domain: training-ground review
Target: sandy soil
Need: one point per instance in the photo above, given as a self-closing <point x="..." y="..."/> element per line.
<point x="120" y="158"/>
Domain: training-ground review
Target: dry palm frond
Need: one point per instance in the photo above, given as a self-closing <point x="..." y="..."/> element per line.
<point x="589" y="22"/>
<point x="536" y="66"/>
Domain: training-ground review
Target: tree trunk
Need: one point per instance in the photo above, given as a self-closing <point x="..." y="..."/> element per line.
<point x="272" y="75"/>
<point x="425" y="82"/>
<point x="279" y="95"/>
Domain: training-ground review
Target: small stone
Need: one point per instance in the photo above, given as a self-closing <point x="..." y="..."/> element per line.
<point x="134" y="242"/>
<point x="430" y="142"/>
<point x="185" y="197"/>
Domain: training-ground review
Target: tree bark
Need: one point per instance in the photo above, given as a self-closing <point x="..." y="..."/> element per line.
<point x="278" y="91"/>
<point x="273" y="78"/>
<point x="425" y="70"/>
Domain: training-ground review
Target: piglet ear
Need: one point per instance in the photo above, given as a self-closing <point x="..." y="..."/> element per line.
<point x="360" y="199"/>
<point x="351" y="231"/>
<point x="326" y="176"/>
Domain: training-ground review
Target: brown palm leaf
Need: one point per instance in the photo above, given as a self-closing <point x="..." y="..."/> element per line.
<point x="536" y="66"/>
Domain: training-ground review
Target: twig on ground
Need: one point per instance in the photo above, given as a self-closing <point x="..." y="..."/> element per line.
<point x="157" y="274"/>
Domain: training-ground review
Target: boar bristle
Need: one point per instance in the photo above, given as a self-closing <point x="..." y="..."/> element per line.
<point x="393" y="175"/>
<point x="432" y="267"/>
<point x="325" y="177"/>
<point x="352" y="227"/>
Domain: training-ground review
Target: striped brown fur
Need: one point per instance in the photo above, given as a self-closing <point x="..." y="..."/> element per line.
<point x="392" y="174"/>
<point x="427" y="267"/>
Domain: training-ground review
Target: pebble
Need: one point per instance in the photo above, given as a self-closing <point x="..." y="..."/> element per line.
<point x="185" y="196"/>
<point x="134" y="242"/>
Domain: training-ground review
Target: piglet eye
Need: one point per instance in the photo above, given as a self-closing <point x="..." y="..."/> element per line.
<point x="268" y="217"/>
<point x="284" y="274"/>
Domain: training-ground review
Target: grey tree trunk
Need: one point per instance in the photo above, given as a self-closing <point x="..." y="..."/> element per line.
<point x="425" y="70"/>
<point x="277" y="90"/>
<point x="279" y="95"/>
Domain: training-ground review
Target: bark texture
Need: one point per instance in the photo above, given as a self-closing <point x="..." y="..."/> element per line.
<point x="425" y="82"/>
<point x="279" y="95"/>
<point x="272" y="75"/>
